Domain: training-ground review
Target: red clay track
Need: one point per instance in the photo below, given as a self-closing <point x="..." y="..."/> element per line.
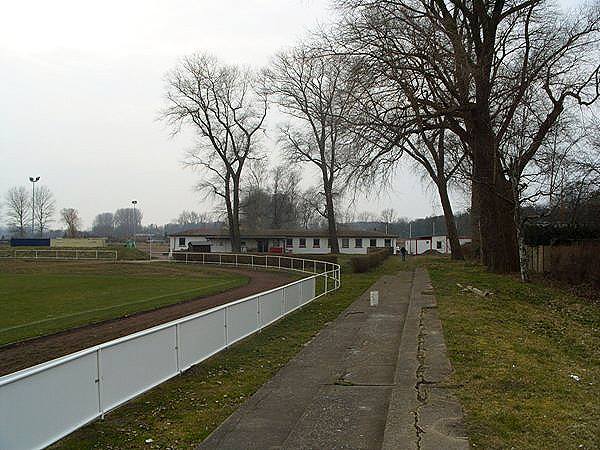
<point x="28" y="353"/>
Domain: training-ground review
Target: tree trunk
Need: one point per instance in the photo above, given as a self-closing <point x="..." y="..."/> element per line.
<point x="494" y="203"/>
<point x="456" y="250"/>
<point x="236" y="241"/>
<point x="332" y="227"/>
<point x="523" y="258"/>
<point x="475" y="225"/>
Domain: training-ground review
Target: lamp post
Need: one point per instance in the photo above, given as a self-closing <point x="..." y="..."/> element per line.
<point x="134" y="202"/>
<point x="33" y="181"/>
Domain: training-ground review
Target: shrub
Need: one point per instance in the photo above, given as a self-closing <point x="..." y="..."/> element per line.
<point x="364" y="263"/>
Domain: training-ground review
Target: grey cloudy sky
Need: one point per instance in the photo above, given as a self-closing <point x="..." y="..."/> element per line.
<point x="82" y="83"/>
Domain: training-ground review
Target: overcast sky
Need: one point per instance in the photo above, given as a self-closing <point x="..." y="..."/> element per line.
<point x="82" y="83"/>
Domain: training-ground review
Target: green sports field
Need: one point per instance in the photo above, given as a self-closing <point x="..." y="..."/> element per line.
<point x="39" y="298"/>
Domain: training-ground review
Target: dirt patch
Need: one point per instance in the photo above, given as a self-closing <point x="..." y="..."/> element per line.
<point x="28" y="353"/>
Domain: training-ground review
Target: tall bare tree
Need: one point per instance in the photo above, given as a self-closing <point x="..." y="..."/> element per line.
<point x="43" y="209"/>
<point x="70" y="217"/>
<point x="18" y="209"/>
<point x="223" y="106"/>
<point x="315" y="93"/>
<point x="104" y="224"/>
<point x="472" y="63"/>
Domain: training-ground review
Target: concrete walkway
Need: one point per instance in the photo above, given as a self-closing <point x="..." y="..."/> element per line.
<point x="374" y="378"/>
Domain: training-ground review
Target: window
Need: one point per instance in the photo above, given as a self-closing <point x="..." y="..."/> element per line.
<point x="302" y="243"/>
<point x="316" y="243"/>
<point x="345" y="243"/>
<point x="388" y="242"/>
<point x="438" y="245"/>
<point x="358" y="243"/>
<point x="373" y="243"/>
<point x="182" y="242"/>
<point x="288" y="243"/>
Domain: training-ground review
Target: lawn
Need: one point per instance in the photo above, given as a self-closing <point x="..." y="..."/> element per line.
<point x="526" y="360"/>
<point x="183" y="411"/>
<point x="41" y="297"/>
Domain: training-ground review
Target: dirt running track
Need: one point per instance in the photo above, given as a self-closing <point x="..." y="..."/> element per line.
<point x="28" y="353"/>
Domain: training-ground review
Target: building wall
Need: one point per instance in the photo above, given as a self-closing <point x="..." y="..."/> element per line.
<point x="224" y="245"/>
<point x="441" y="244"/>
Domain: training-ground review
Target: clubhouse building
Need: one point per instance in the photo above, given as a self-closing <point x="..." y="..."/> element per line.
<point x="281" y="241"/>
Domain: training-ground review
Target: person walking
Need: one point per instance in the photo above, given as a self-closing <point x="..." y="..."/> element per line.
<point x="403" y="252"/>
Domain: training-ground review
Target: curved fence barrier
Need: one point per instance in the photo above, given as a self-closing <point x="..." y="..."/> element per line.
<point x="44" y="403"/>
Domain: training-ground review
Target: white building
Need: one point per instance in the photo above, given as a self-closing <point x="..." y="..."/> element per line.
<point x="281" y="241"/>
<point x="440" y="244"/>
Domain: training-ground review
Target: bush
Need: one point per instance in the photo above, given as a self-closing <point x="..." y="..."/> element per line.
<point x="364" y="263"/>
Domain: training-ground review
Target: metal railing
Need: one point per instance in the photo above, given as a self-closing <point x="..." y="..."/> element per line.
<point x="41" y="404"/>
<point x="59" y="254"/>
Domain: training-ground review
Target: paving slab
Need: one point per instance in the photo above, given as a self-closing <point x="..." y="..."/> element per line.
<point x="371" y="379"/>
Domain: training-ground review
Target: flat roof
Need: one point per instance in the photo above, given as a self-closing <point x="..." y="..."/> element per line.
<point x="281" y="234"/>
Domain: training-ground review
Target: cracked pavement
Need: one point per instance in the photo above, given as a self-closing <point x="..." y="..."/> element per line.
<point x="375" y="378"/>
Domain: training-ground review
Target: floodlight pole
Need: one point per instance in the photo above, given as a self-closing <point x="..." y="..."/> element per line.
<point x="33" y="181"/>
<point x="134" y="202"/>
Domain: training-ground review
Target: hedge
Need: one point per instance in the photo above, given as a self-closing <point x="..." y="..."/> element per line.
<point x="363" y="263"/>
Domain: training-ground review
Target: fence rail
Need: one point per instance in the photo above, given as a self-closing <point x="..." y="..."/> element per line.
<point x="60" y="254"/>
<point x="44" y="403"/>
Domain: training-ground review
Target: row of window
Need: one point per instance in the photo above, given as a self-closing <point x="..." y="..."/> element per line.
<point x="358" y="243"/>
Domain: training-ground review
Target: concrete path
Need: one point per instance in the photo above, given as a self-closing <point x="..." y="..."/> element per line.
<point x="372" y="379"/>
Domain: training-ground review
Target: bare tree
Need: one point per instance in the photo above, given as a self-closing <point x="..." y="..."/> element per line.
<point x="192" y="218"/>
<point x="221" y="103"/>
<point x="104" y="224"/>
<point x="126" y="220"/>
<point x="18" y="209"/>
<point x="472" y="64"/>
<point x="43" y="209"/>
<point x="70" y="217"/>
<point x="316" y="94"/>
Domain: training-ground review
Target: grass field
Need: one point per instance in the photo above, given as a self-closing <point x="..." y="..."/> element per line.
<point x="526" y="360"/>
<point x="38" y="298"/>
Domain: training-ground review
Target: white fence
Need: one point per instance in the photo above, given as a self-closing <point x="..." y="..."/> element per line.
<point x="44" y="403"/>
<point x="59" y="254"/>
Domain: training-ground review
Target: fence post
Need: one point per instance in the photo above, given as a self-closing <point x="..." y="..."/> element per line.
<point x="326" y="282"/>
<point x="177" y="348"/>
<point x="36" y="254"/>
<point x="236" y="260"/>
<point x="186" y="258"/>
<point x="220" y="259"/>
<point x="203" y="255"/>
<point x="99" y="381"/>
<point x="279" y="261"/>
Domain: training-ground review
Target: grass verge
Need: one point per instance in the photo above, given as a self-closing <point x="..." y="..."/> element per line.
<point x="183" y="411"/>
<point x="516" y="356"/>
<point x="42" y="297"/>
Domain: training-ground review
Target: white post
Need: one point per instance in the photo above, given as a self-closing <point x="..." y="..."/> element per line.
<point x="99" y="381"/>
<point x="326" y="282"/>
<point x="186" y="258"/>
<point x="220" y="259"/>
<point x="236" y="260"/>
<point x="96" y="254"/>
<point x="177" y="348"/>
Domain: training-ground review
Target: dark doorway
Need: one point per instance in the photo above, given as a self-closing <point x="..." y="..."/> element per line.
<point x="199" y="248"/>
<point x="262" y="245"/>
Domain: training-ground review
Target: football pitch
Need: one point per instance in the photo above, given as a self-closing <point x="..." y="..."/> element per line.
<point x="39" y="298"/>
